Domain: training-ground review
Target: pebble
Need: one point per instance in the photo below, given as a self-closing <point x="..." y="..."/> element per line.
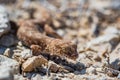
<point x="60" y="32"/>
<point x="53" y="67"/>
<point x="91" y="70"/>
<point x="7" y="52"/>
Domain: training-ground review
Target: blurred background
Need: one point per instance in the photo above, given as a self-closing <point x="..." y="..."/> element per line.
<point x="88" y="23"/>
<point x="67" y="16"/>
<point x="77" y="18"/>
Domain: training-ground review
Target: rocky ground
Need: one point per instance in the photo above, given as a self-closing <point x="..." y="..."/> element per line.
<point x="92" y="25"/>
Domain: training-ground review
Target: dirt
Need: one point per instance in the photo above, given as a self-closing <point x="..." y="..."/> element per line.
<point x="60" y="39"/>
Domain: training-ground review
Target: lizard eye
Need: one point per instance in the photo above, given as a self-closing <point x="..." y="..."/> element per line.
<point x="74" y="46"/>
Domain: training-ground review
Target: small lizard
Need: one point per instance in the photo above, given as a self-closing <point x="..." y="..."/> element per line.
<point x="29" y="33"/>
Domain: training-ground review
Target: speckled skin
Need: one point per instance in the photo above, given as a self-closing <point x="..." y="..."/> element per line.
<point x="28" y="33"/>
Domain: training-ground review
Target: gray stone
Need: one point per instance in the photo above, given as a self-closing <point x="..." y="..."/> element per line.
<point x="61" y="32"/>
<point x="19" y="77"/>
<point x="115" y="58"/>
<point x="2" y="49"/>
<point x="4" y="21"/>
<point x="102" y="4"/>
<point x="91" y="70"/>
<point x="27" y="53"/>
<point x="112" y="30"/>
<point x="107" y="38"/>
<point x="6" y="73"/>
<point x="36" y="77"/>
<point x="8" y="40"/>
<point x="10" y="63"/>
<point x="23" y="54"/>
<point x="7" y="52"/>
<point x="118" y="76"/>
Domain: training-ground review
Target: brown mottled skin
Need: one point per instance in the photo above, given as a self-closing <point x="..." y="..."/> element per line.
<point x="28" y="33"/>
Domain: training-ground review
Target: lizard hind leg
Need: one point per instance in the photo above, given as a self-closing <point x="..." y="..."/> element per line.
<point x="36" y="50"/>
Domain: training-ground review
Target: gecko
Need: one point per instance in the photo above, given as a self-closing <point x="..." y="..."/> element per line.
<point x="30" y="35"/>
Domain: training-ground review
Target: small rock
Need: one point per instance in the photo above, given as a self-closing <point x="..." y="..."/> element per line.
<point x="20" y="43"/>
<point x="66" y="78"/>
<point x="83" y="32"/>
<point x="7" y="52"/>
<point x="60" y="32"/>
<point x="25" y="54"/>
<point x="83" y="71"/>
<point x="111" y="72"/>
<point x="53" y="67"/>
<point x="22" y="55"/>
<point x="99" y="69"/>
<point x="84" y="22"/>
<point x="79" y="66"/>
<point x="91" y="70"/>
<point x="69" y="68"/>
<point x="29" y="75"/>
<point x="97" y="58"/>
<point x="56" y="23"/>
<point x="77" y="72"/>
<point x="34" y="62"/>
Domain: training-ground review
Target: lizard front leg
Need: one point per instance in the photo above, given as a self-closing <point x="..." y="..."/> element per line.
<point x="36" y="49"/>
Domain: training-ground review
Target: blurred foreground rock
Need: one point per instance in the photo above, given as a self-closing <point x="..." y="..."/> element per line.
<point x="10" y="63"/>
<point x="6" y="73"/>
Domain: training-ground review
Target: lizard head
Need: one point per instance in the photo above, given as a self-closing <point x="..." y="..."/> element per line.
<point x="69" y="50"/>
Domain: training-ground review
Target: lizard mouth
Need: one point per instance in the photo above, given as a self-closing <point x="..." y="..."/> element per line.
<point x="74" y="56"/>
